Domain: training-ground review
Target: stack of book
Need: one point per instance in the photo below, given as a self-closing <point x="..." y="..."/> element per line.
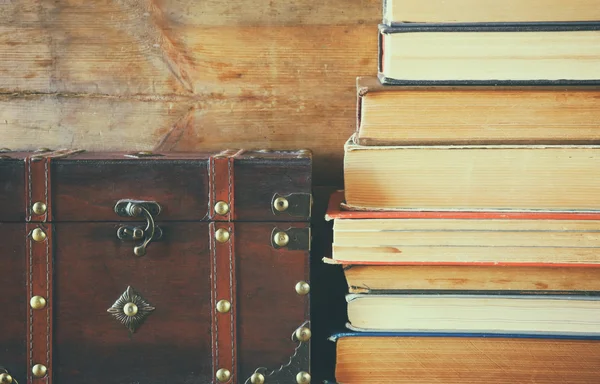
<point x="469" y="227"/>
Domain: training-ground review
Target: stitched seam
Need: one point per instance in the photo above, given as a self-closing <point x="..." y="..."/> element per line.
<point x="211" y="190"/>
<point x="46" y="190"/>
<point x="30" y="309"/>
<point x="48" y="300"/>
<point x="229" y="194"/>
<point x="233" y="303"/>
<point x="28" y="208"/>
<point x="216" y="314"/>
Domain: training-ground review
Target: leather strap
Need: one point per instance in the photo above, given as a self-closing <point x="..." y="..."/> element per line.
<point x="39" y="283"/>
<point x="224" y="349"/>
<point x="39" y="265"/>
<point x="221" y="172"/>
<point x="38" y="187"/>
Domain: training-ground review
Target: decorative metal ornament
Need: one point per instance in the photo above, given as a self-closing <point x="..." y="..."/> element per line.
<point x="222" y="235"/>
<point x="302" y="288"/>
<point x="131" y="309"/>
<point x="257" y="378"/>
<point x="223" y="375"/>
<point x="223" y="306"/>
<point x="281" y="204"/>
<point x="39" y="208"/>
<point x="303" y="334"/>
<point x="37" y="302"/>
<point x="281" y="239"/>
<point x="303" y="378"/>
<point x="39" y="370"/>
<point x="38" y="235"/>
<point x="221" y="208"/>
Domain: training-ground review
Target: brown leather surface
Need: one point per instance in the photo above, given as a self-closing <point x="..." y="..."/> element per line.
<point x="93" y="268"/>
<point x="175" y="343"/>
<point x="38" y="187"/>
<point x="12" y="190"/>
<point x="13" y="302"/>
<point x="39" y="283"/>
<point x="258" y="179"/>
<point x="223" y="278"/>
<point x="221" y="175"/>
<point x="87" y="190"/>
<point x="268" y="309"/>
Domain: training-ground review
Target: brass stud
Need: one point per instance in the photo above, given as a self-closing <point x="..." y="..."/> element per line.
<point x="38" y="235"/>
<point x="37" y="302"/>
<point x="281" y="239"/>
<point x="130" y="309"/>
<point x="303" y="334"/>
<point x="302" y="288"/>
<point x="257" y="378"/>
<point x="223" y="306"/>
<point x="221" y="208"/>
<point x="39" y="208"/>
<point x="39" y="370"/>
<point x="5" y="378"/>
<point x="281" y="204"/>
<point x="222" y="235"/>
<point x="303" y="377"/>
<point x="223" y="375"/>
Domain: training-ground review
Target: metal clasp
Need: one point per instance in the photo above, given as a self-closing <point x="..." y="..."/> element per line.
<point x="136" y="208"/>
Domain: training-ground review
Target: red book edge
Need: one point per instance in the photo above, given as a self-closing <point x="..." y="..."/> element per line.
<point x="337" y="209"/>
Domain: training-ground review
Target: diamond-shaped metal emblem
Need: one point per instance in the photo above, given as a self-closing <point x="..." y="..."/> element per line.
<point x="131" y="309"/>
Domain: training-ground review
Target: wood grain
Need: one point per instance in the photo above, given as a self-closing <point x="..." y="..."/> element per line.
<point x="185" y="75"/>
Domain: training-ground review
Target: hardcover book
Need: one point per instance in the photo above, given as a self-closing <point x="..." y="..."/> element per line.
<point x="490" y="54"/>
<point x="420" y="115"/>
<point x="411" y="358"/>
<point x="559" y="178"/>
<point x="488" y="11"/>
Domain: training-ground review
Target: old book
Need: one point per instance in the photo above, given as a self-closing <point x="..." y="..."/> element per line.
<point x="488" y="54"/>
<point x="413" y="115"/>
<point x="475" y="313"/>
<point x="454" y="359"/>
<point x="155" y="267"/>
<point x="472" y="177"/>
<point x="463" y="238"/>
<point x="488" y="11"/>
<point x="488" y="266"/>
<point x="398" y="278"/>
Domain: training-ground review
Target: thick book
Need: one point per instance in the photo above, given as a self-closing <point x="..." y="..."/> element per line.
<point x="414" y="115"/>
<point x="488" y="11"/>
<point x="472" y="313"/>
<point x="472" y="177"/>
<point x="490" y="54"/>
<point x="412" y="358"/>
<point x="485" y="267"/>
<point x="463" y="238"/>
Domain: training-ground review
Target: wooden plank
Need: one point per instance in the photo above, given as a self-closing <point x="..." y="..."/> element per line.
<point x="127" y="47"/>
<point x="111" y="123"/>
<point x="185" y="75"/>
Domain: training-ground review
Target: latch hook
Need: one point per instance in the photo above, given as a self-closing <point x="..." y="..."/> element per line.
<point x="145" y="209"/>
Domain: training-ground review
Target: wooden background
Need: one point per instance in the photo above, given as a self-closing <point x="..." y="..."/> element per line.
<point x="195" y="75"/>
<point x="185" y="74"/>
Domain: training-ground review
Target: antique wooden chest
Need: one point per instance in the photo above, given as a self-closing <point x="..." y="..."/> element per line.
<point x="148" y="268"/>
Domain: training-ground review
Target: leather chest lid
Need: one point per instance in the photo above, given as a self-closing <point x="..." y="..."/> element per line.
<point x="77" y="186"/>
